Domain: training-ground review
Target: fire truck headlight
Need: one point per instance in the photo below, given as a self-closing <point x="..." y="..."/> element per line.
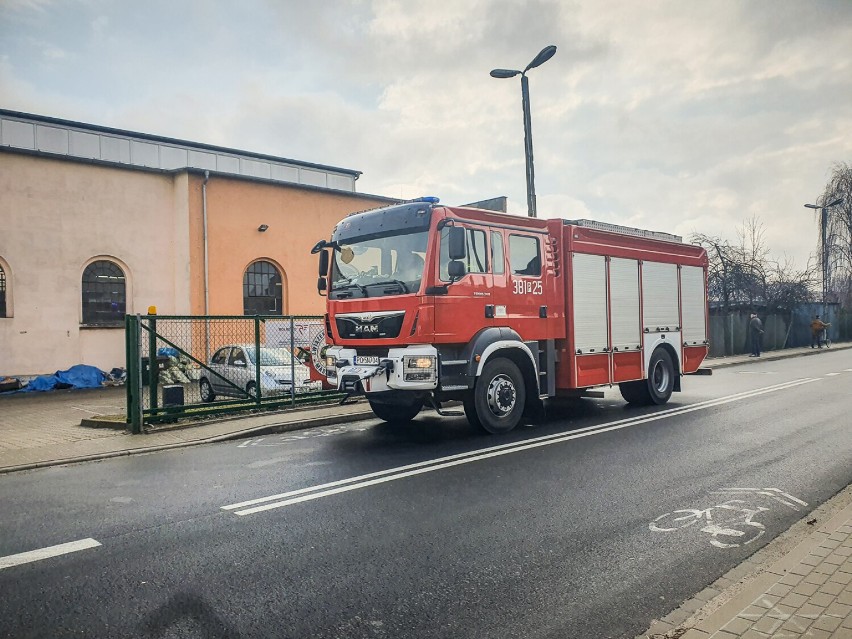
<point x="330" y="362"/>
<point x="424" y="361"/>
<point x="419" y="368"/>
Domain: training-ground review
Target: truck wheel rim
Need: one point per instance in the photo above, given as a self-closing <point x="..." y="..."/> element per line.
<point x="501" y="395"/>
<point x="660" y="377"/>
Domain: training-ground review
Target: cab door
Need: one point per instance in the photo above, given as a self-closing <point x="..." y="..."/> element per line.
<point x="464" y="310"/>
<point x="521" y="290"/>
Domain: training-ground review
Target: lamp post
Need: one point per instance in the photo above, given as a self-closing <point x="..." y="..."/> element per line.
<point x="824" y="247"/>
<point x="543" y="56"/>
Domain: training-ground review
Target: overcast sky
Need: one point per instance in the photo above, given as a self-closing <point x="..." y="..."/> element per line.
<point x="679" y="116"/>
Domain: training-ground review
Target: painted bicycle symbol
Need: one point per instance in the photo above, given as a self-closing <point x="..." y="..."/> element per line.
<point x="730" y="524"/>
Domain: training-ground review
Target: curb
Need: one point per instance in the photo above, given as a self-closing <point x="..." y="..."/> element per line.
<point x="283" y="427"/>
<point x="709" y="363"/>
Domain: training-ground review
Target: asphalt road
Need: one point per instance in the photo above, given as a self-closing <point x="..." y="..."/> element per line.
<point x="589" y="525"/>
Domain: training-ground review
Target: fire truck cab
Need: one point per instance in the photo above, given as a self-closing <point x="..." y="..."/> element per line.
<point x="429" y="303"/>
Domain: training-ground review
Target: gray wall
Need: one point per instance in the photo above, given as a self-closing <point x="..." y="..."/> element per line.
<point x="729" y="333"/>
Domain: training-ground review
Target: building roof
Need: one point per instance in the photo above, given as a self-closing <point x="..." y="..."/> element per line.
<point x="79" y="140"/>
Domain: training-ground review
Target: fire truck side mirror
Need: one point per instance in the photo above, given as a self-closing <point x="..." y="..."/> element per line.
<point x="457" y="248"/>
<point x="456" y="270"/>
<point x="323" y="263"/>
<point x="321" y="285"/>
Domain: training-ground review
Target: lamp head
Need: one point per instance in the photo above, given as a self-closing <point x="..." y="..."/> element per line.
<point x="543" y="56"/>
<point x="504" y="73"/>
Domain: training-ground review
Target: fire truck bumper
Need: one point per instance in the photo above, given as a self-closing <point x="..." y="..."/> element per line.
<point x="414" y="368"/>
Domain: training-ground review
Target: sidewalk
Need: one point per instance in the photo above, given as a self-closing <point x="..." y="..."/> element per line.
<point x="806" y="593"/>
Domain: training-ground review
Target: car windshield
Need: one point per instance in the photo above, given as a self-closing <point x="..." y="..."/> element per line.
<point x="272" y="357"/>
<point x="378" y="266"/>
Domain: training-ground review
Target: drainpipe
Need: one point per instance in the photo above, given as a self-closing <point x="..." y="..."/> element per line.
<point x="206" y="267"/>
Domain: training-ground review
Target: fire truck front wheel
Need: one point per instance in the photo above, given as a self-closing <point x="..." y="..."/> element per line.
<point x="497" y="401"/>
<point x="396" y="413"/>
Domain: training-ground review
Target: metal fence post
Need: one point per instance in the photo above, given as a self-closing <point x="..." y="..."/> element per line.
<point x="134" y="380"/>
<point x="153" y="368"/>
<point x="292" y="362"/>
<point x="257" y="359"/>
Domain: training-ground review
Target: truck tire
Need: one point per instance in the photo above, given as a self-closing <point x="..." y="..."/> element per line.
<point x="497" y="402"/>
<point x="657" y="389"/>
<point x="396" y="413"/>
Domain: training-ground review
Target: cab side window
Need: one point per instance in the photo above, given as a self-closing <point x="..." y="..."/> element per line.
<point x="498" y="265"/>
<point x="221" y="356"/>
<point x="524" y="255"/>
<point x="477" y="256"/>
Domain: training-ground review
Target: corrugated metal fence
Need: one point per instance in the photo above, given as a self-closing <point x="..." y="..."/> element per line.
<point x="729" y="332"/>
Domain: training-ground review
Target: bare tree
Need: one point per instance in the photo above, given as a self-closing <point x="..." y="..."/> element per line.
<point x="743" y="273"/>
<point x="838" y="233"/>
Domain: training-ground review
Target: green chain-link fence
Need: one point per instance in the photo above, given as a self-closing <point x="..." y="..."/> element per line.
<point x="181" y="366"/>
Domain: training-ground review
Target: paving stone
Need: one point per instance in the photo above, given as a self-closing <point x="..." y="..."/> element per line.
<point x="754" y="634"/>
<point x="753" y="613"/>
<point x="707" y="594"/>
<point x="839" y="610"/>
<point x="831" y="587"/>
<point x="769" y="625"/>
<point x="782" y="611"/>
<point x="795" y="599"/>
<point x="830" y="624"/>
<point x="816" y="578"/>
<point x="841" y="578"/>
<point x="815" y="633"/>
<point x="766" y="601"/>
<point x="845" y="598"/>
<point x="780" y="589"/>
<point x="737" y="625"/>
<point x="790" y="580"/>
<point x="796" y="624"/>
<point x="821" y="599"/>
<point x="805" y="589"/>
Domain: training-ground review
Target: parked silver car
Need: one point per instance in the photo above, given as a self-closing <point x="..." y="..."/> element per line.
<point x="237" y="364"/>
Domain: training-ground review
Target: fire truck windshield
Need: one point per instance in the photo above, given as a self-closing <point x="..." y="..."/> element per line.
<point x="376" y="266"/>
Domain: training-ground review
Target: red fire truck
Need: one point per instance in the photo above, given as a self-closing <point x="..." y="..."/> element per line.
<point x="429" y="303"/>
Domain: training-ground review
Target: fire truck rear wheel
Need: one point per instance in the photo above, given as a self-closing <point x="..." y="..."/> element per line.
<point x="499" y="395"/>
<point x="396" y="413"/>
<point x="661" y="376"/>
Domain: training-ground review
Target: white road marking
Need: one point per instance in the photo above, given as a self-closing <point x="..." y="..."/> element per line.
<point x="392" y="474"/>
<point x="45" y="553"/>
<point x="773" y="493"/>
<point x="831" y="374"/>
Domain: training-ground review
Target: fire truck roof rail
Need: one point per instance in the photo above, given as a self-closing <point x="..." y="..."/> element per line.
<point x="626" y="230"/>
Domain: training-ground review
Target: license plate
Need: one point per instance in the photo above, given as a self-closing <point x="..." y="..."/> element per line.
<point x="366" y="360"/>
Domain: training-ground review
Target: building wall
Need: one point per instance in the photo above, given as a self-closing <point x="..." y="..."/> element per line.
<point x="56" y="217"/>
<point x="297" y="218"/>
<point x="59" y="215"/>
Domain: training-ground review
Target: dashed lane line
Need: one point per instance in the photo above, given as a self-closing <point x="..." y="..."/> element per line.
<point x="45" y="553"/>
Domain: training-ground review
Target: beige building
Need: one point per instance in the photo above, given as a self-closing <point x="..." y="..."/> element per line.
<point x="97" y="222"/>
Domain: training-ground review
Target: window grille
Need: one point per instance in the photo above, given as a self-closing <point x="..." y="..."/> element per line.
<point x="262" y="290"/>
<point x="104" y="294"/>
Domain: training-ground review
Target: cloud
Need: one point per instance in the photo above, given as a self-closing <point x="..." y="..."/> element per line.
<point x="673" y="116"/>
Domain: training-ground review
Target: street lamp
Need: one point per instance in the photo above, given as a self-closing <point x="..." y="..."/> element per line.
<point x="543" y="56"/>
<point x="824" y="247"/>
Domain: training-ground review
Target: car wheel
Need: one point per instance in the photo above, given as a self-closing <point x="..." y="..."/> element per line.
<point x="207" y="394"/>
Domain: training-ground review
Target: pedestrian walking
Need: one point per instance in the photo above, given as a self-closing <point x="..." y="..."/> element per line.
<point x="755" y="327"/>
<point x="817" y="331"/>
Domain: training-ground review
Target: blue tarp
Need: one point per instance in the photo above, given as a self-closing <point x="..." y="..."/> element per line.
<point x="79" y="376"/>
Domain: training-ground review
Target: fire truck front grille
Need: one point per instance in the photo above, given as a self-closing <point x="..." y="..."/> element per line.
<point x="387" y="326"/>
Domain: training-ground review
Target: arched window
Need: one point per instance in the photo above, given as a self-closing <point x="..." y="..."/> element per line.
<point x="2" y="292"/>
<point x="262" y="289"/>
<point x="104" y="294"/>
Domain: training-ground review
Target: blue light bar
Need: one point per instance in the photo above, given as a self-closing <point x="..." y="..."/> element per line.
<point x="431" y="199"/>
